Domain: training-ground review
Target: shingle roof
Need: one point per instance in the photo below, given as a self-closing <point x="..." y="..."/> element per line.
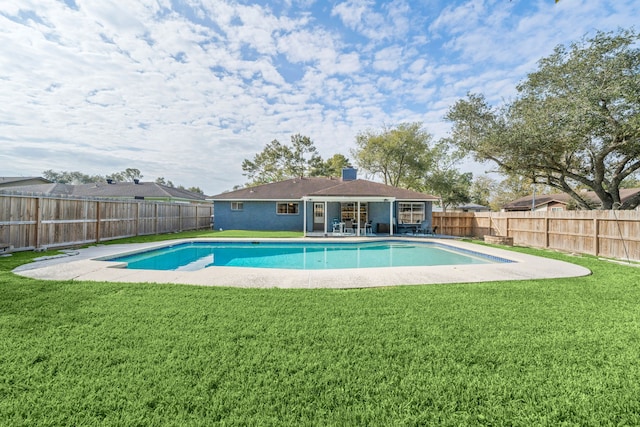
<point x="115" y="190"/>
<point x="17" y="180"/>
<point x="130" y="189"/>
<point x="297" y="188"/>
<point x="364" y="188"/>
<point x="292" y="189"/>
<point x="45" y="189"/>
<point x="524" y="203"/>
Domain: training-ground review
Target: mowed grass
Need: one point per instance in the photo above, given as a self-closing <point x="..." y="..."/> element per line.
<point x="543" y="352"/>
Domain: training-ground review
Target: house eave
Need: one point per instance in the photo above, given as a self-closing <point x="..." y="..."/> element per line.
<point x="240" y="199"/>
<point x="419" y="200"/>
<point x="348" y="199"/>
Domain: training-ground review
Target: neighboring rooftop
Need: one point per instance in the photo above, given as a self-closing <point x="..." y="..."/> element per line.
<point x="10" y="181"/>
<point x="120" y="190"/>
<point x="525" y="203"/>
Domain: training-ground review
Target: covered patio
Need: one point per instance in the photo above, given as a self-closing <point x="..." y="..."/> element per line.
<point x="327" y="212"/>
<point x="363" y="216"/>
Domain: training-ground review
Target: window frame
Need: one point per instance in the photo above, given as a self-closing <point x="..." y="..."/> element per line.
<point x="288" y="204"/>
<point x="414" y="213"/>
<point x="237" y="206"/>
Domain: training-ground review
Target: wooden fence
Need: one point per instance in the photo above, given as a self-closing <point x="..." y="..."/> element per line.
<point x="611" y="234"/>
<point x="28" y="222"/>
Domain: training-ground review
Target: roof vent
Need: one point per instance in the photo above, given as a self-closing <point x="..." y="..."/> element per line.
<point x="136" y="181"/>
<point x="109" y="181"/>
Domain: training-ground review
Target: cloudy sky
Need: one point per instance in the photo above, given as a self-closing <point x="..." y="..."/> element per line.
<point x="188" y="89"/>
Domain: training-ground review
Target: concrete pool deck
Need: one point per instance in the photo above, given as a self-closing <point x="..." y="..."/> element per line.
<point x="83" y="265"/>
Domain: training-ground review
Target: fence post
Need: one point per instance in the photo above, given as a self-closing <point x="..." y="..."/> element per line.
<point x="155" y="218"/>
<point x="546" y="229"/>
<point x="596" y="232"/>
<point x="97" y="221"/>
<point x="38" y="223"/>
<point x="137" y="218"/>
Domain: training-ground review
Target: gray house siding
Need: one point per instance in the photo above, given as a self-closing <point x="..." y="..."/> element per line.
<point x="256" y="215"/>
<point x="379" y="214"/>
<point x="309" y="214"/>
<point x="262" y="215"/>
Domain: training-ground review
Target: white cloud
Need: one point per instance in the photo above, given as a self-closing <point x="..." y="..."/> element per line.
<point x="390" y="22"/>
<point x="188" y="89"/>
<point x="458" y="18"/>
<point x="388" y="59"/>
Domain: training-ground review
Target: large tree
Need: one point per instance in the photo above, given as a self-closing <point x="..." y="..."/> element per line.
<point x="331" y="167"/>
<point x="127" y="175"/>
<point x="574" y="124"/>
<point x="277" y="162"/>
<point x="71" y="177"/>
<point x="399" y="155"/>
<point x="269" y="165"/>
<point x="304" y="156"/>
<point x="483" y="189"/>
<point x="443" y="179"/>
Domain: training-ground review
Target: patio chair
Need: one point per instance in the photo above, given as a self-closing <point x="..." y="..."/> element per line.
<point x="368" y="228"/>
<point x="335" y="225"/>
<point x="425" y="227"/>
<point x="348" y="227"/>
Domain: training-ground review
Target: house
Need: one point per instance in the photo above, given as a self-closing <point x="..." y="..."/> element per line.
<point x="558" y="202"/>
<point x="21" y="180"/>
<point x="112" y="190"/>
<point x="539" y="202"/>
<point x="315" y="204"/>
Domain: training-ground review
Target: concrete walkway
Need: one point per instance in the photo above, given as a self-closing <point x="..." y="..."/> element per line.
<point x="83" y="265"/>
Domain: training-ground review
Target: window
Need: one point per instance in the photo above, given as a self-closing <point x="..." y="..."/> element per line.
<point x="410" y="213"/>
<point x="287" y="208"/>
<point x="237" y="206"/>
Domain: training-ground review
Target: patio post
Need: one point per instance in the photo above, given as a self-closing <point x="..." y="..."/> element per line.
<point x="304" y="218"/>
<point x="391" y="217"/>
<point x="358" y="219"/>
<point x="326" y="230"/>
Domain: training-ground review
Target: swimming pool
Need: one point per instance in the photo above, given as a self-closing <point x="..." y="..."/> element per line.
<point x="89" y="265"/>
<point x="192" y="256"/>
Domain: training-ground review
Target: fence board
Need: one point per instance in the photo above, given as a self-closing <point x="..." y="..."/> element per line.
<point x="453" y="223"/>
<point x="611" y="234"/>
<point x="31" y="222"/>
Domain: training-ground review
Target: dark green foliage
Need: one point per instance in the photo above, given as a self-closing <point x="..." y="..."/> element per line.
<point x="278" y="161"/>
<point x="400" y="155"/>
<point x="546" y="352"/>
<point x="574" y="124"/>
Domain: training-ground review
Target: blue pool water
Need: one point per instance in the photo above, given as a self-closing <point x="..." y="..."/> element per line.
<point x="302" y="256"/>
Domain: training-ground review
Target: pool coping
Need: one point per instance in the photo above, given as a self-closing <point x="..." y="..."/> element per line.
<point x="84" y="265"/>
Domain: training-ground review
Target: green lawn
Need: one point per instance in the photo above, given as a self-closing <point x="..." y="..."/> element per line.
<point x="544" y="352"/>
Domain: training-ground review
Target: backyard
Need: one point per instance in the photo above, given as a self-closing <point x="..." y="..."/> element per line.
<point x="538" y="352"/>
